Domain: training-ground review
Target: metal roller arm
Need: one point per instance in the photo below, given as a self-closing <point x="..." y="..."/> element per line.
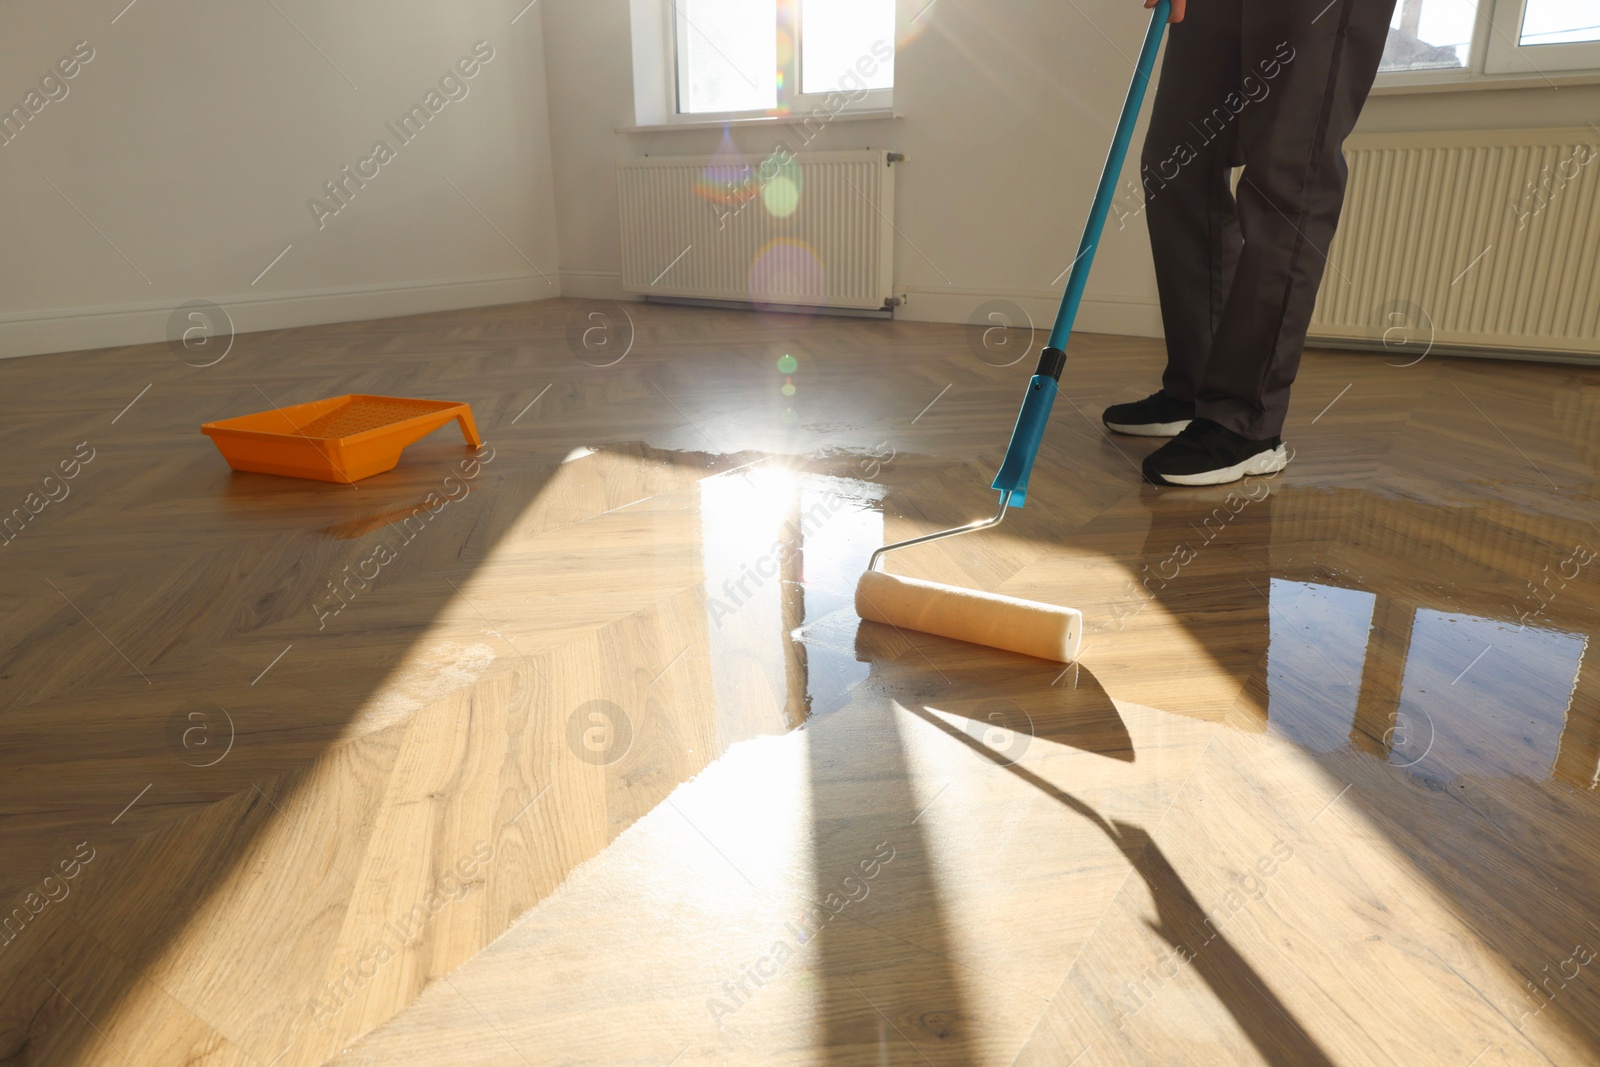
<point x="980" y="524"/>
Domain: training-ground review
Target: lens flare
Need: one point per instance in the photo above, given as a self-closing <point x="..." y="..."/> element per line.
<point x="785" y="55"/>
<point x="727" y="179"/>
<point x="787" y="271"/>
<point x="781" y="195"/>
<point x="914" y="17"/>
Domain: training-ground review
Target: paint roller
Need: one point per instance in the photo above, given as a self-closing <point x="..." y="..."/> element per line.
<point x="1029" y="627"/>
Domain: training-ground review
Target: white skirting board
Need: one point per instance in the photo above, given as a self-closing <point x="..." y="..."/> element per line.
<point x="593" y="285"/>
<point x="1132" y="316"/>
<point x="1128" y="315"/>
<point x="77" y="329"/>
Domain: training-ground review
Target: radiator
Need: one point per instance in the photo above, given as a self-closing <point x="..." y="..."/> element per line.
<point x="813" y="230"/>
<point x="1468" y="240"/>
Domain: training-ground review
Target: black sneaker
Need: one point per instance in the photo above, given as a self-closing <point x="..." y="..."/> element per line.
<point x="1157" y="415"/>
<point x="1207" y="453"/>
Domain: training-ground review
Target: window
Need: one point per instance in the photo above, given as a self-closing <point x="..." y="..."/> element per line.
<point x="1541" y="36"/>
<point x="1430" y="35"/>
<point x="781" y="56"/>
<point x="1557" y="22"/>
<point x="1530" y="38"/>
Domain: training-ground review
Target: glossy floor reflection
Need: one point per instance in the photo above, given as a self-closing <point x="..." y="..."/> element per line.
<point x="602" y="768"/>
<point x="1396" y="692"/>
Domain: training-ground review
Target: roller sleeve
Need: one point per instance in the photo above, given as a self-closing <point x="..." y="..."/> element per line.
<point x="1025" y="626"/>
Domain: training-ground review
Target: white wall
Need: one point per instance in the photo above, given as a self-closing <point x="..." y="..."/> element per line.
<point x="196" y="135"/>
<point x="1007" y="109"/>
<point x="198" y="132"/>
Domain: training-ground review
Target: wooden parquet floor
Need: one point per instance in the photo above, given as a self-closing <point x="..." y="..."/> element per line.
<point x="572" y="751"/>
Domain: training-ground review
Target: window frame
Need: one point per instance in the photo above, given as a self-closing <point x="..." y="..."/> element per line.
<point x="1495" y="55"/>
<point x="1507" y="55"/>
<point x="789" y="100"/>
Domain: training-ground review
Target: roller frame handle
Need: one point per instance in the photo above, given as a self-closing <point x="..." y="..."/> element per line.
<point x="1029" y="430"/>
<point x="1025" y="438"/>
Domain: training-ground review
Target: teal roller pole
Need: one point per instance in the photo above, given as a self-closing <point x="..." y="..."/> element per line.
<point x="1079" y="276"/>
<point x="1035" y="413"/>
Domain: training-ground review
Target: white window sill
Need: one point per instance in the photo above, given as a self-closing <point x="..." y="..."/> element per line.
<point x="878" y="114"/>
<point x="1459" y="82"/>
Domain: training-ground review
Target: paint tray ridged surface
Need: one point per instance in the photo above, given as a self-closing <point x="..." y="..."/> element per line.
<point x="340" y="439"/>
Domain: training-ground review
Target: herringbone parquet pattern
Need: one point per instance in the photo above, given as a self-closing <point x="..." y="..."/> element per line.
<point x="506" y="768"/>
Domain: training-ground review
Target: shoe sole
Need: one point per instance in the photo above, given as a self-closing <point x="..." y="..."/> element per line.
<point x="1269" y="462"/>
<point x="1149" y="429"/>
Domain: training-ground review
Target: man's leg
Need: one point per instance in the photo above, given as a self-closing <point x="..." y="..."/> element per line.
<point x="1324" y="56"/>
<point x="1189" y="206"/>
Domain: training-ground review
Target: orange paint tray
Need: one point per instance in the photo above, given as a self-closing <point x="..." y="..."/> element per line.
<point x="340" y="439"/>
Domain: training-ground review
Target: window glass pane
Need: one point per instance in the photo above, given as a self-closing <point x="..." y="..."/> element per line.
<point x="846" y="45"/>
<point x="1319" y="636"/>
<point x="1483" y="698"/>
<point x="1561" y="21"/>
<point x="728" y="51"/>
<point x="1430" y="34"/>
